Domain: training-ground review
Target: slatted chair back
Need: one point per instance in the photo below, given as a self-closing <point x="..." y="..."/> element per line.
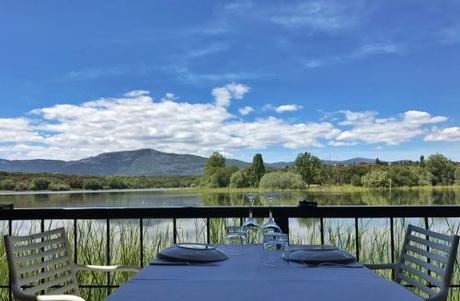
<point x="427" y="262"/>
<point x="41" y="264"/>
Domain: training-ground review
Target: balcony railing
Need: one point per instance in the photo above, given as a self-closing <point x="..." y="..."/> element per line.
<point x="282" y="216"/>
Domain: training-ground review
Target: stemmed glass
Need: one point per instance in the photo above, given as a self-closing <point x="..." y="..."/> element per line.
<point x="250" y="222"/>
<point x="271" y="225"/>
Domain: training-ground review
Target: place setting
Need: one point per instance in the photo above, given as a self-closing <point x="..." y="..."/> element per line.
<point x="189" y="254"/>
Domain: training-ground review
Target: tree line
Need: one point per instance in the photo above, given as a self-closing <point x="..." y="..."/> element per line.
<point x="308" y="169"/>
<point x="61" y="182"/>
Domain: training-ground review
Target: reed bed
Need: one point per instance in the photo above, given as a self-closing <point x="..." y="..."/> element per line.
<point x="124" y="246"/>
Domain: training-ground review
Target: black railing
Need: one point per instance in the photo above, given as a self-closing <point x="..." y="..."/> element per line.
<point x="281" y="214"/>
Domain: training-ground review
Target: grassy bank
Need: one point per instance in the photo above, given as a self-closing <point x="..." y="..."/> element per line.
<point x="313" y="188"/>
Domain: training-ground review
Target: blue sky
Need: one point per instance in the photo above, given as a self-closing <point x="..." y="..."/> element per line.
<point x="340" y="79"/>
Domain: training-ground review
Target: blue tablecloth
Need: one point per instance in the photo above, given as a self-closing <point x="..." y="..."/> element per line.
<point x="251" y="276"/>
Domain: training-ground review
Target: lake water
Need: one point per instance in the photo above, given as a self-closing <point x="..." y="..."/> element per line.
<point x="153" y="198"/>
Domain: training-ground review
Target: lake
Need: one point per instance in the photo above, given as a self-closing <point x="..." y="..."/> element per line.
<point x="154" y="198"/>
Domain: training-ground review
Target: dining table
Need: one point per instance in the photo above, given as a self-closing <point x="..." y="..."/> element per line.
<point x="251" y="273"/>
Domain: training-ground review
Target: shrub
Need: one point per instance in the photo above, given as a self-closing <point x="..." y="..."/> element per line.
<point x="41" y="183"/>
<point x="76" y="183"/>
<point x="403" y="176"/>
<point x="58" y="187"/>
<point x="239" y="179"/>
<point x="23" y="186"/>
<point x="442" y="169"/>
<point x="116" y="183"/>
<point x="7" y="185"/>
<point x="355" y="180"/>
<point x="376" y="179"/>
<point x="93" y="184"/>
<point x="282" y="180"/>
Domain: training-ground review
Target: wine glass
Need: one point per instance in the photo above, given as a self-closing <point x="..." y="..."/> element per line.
<point x="271" y="225"/>
<point x="250" y="224"/>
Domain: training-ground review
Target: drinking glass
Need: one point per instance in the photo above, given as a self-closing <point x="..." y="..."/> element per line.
<point x="235" y="237"/>
<point x="273" y="243"/>
<point x="270" y="225"/>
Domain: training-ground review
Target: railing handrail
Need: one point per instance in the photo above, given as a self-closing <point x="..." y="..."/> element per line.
<point x="327" y="211"/>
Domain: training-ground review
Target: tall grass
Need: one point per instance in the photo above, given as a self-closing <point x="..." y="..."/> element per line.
<point x="124" y="245"/>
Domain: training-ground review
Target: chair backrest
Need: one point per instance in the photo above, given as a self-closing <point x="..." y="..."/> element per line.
<point x="427" y="261"/>
<point x="41" y="264"/>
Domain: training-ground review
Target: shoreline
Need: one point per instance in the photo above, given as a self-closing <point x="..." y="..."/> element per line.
<point x="88" y="191"/>
<point x="315" y="188"/>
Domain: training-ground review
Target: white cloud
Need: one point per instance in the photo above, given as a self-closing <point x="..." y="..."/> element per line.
<point x="367" y="128"/>
<point x="136" y="93"/>
<point x="362" y="52"/>
<point x="282" y="108"/>
<point x="95" y="73"/>
<point x="17" y="130"/>
<point x="246" y="110"/>
<point x="287" y="108"/>
<point x="224" y="94"/>
<point x="444" y="134"/>
<point x="325" y="16"/>
<point x="136" y="120"/>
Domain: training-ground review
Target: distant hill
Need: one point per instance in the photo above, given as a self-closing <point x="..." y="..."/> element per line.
<point x="142" y="162"/>
<point x="351" y="161"/>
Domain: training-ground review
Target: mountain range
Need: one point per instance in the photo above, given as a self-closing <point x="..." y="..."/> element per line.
<point x="142" y="162"/>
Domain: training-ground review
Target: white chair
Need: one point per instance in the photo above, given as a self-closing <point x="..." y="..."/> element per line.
<point x="426" y="262"/>
<point x="41" y="267"/>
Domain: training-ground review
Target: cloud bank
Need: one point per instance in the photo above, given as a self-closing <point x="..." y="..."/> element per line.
<point x="137" y="120"/>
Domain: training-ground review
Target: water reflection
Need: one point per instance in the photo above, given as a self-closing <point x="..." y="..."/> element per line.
<point x="169" y="198"/>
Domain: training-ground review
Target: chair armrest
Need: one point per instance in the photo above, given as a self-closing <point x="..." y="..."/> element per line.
<point x="108" y="268"/>
<point x="21" y="296"/>
<point x="59" y="298"/>
<point x="381" y="266"/>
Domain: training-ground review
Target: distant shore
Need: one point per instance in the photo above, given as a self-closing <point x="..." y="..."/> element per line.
<point x="313" y="188"/>
<point x="87" y="191"/>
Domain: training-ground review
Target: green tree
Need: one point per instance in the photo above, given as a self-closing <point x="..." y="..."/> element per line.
<point x="422" y="161"/>
<point x="442" y="170"/>
<point x="239" y="179"/>
<point x="356" y="180"/>
<point x="58" y="187"/>
<point x="221" y="177"/>
<point x="117" y="183"/>
<point x="257" y="170"/>
<point x="376" y="179"/>
<point x="212" y="165"/>
<point x="23" y="186"/>
<point x="403" y="176"/>
<point x="7" y="185"/>
<point x="214" y="162"/>
<point x="308" y="166"/>
<point x="457" y="174"/>
<point x="41" y="183"/>
<point x="424" y="176"/>
<point x="93" y="184"/>
<point x="76" y="182"/>
<point x="282" y="180"/>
